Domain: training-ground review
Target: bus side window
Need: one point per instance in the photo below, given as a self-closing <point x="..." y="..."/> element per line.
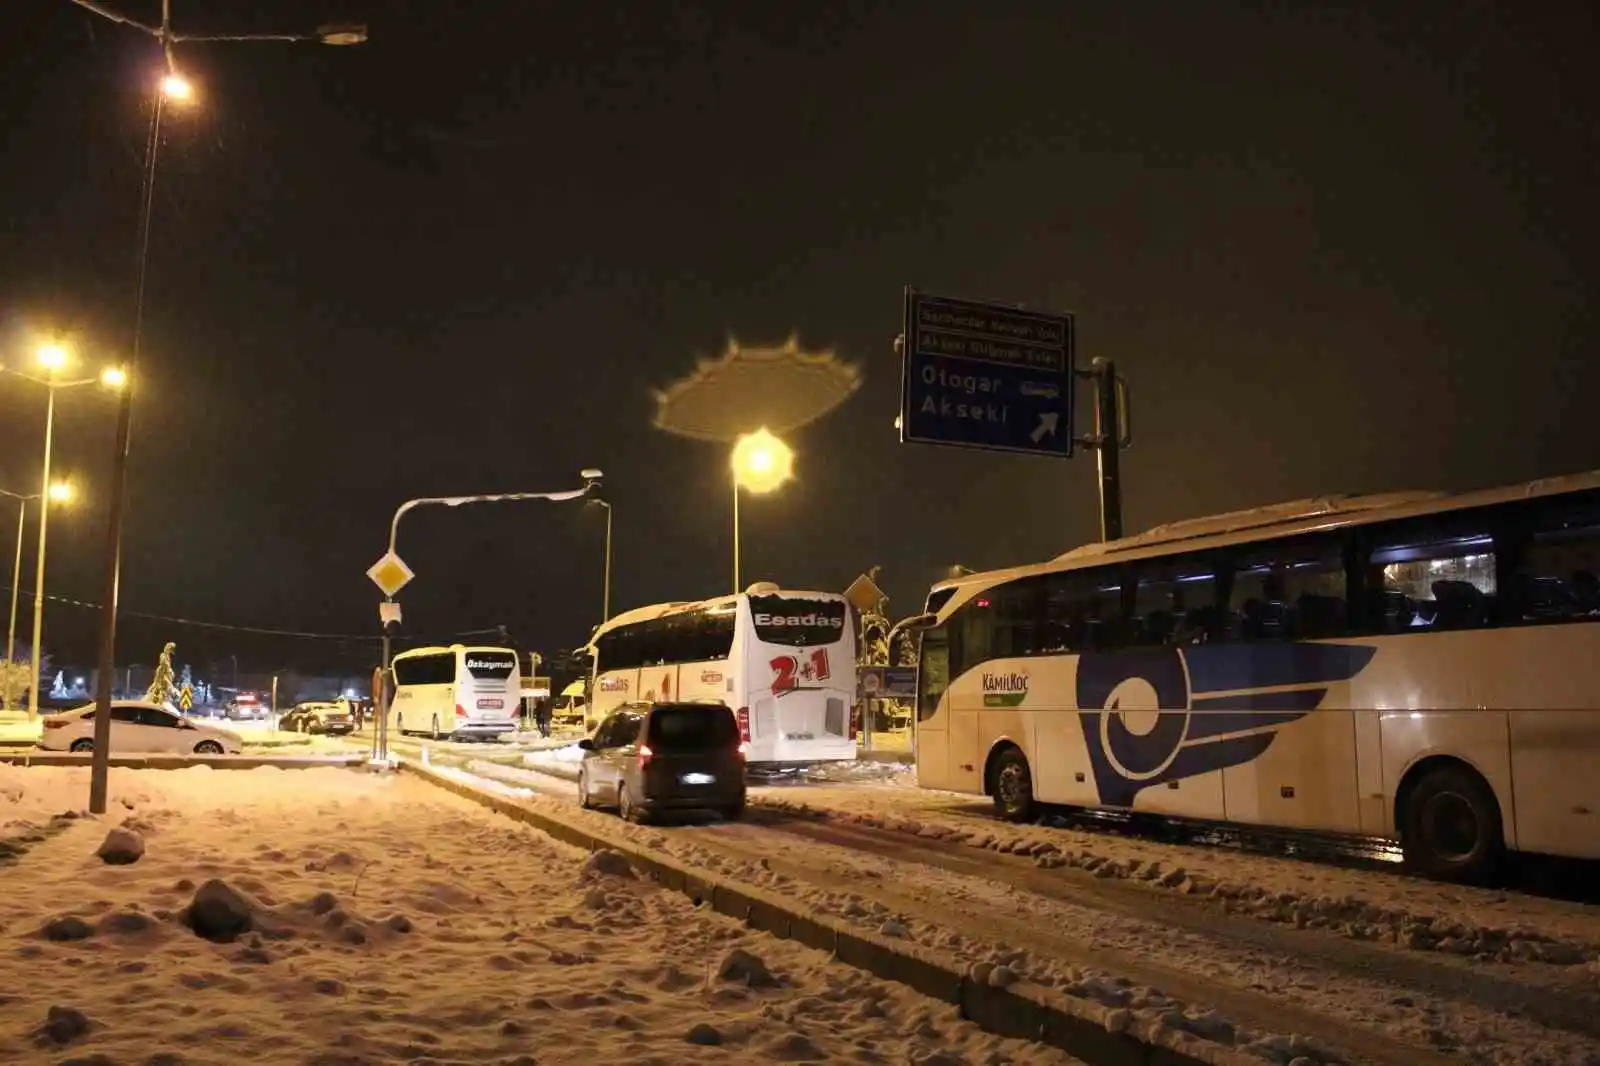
<point x="1556" y="580"/>
<point x="933" y="672"/>
<point x="1432" y="573"/>
<point x="1174" y="603"/>
<point x="1292" y="590"/>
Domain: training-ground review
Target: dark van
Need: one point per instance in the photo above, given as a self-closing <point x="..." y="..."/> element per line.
<point x="646" y="758"/>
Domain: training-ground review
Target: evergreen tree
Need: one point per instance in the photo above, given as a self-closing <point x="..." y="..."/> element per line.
<point x="163" y="688"/>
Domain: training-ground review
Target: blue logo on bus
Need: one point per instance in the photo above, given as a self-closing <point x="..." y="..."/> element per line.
<point x="1194" y="733"/>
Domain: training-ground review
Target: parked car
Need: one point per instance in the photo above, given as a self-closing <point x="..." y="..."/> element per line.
<point x="247" y="707"/>
<point x="138" y="727"/>
<point x="646" y="758"/>
<point x="318" y="717"/>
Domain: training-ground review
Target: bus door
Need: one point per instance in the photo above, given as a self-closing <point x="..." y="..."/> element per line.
<point x="933" y="717"/>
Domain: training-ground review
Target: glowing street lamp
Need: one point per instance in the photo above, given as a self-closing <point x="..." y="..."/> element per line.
<point x="114" y="377"/>
<point x="760" y="463"/>
<point x="52" y="357"/>
<point x="177" y="88"/>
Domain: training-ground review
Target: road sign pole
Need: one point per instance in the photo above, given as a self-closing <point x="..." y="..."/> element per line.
<point x="1108" y="445"/>
<point x="380" y="732"/>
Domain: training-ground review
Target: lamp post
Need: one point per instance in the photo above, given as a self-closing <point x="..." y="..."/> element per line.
<point x="16" y="583"/>
<point x="53" y="358"/>
<point x="605" y="593"/>
<point x="176" y="88"/>
<point x="760" y="463"/>
<point x="386" y="614"/>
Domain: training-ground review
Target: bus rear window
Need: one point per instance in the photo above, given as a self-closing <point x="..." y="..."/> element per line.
<point x="685" y="729"/>
<point x="490" y="666"/>
<point x="797" y="623"/>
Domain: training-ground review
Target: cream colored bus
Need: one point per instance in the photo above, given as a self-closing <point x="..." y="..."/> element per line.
<point x="1418" y="667"/>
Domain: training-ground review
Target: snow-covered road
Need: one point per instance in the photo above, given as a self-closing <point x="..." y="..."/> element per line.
<point x="1278" y="955"/>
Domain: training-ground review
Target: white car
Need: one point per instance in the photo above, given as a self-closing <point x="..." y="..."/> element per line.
<point x="138" y="727"/>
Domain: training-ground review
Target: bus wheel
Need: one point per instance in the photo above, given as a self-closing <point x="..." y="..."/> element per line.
<point x="435" y="727"/>
<point x="1011" y="785"/>
<point x="399" y="725"/>
<point x="1450" y="826"/>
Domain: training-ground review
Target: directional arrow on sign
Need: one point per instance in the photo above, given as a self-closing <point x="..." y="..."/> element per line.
<point x="1046" y="427"/>
<point x="390" y="574"/>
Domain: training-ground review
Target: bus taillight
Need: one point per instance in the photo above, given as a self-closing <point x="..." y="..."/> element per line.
<point x="744" y="724"/>
<point x="461" y="712"/>
<point x="854" y="725"/>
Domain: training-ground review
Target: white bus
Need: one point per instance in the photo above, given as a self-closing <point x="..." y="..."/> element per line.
<point x="459" y="691"/>
<point x="784" y="661"/>
<point x="1418" y="667"/>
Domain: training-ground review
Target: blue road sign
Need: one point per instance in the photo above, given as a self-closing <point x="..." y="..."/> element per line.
<point x="887" y="682"/>
<point x="987" y="376"/>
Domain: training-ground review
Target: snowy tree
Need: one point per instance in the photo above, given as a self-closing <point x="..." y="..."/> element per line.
<point x="58" y="687"/>
<point x="163" y="688"/>
<point x="187" y="681"/>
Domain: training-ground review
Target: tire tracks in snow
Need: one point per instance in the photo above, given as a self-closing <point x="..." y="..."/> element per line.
<point x="1443" y="977"/>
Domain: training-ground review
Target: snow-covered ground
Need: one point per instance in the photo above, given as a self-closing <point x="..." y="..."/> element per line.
<point x="376" y="918"/>
<point x="1362" y="904"/>
<point x="1440" y="968"/>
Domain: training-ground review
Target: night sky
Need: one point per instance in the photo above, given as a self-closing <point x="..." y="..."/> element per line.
<point x="1330" y="251"/>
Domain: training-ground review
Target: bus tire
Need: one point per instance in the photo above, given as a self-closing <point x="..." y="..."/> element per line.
<point x="399" y="725"/>
<point x="1011" y="784"/>
<point x="1450" y="827"/>
<point x="435" y="727"/>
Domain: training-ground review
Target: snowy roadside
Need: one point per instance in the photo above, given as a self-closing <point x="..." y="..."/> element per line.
<point x="1391" y="909"/>
<point x="1405" y="912"/>
<point x="330" y="915"/>
<point x="1161" y="976"/>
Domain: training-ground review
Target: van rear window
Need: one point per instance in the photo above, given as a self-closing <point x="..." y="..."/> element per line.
<point x="686" y="729"/>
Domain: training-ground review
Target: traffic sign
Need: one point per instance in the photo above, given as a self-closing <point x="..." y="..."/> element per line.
<point x="988" y="376"/>
<point x="864" y="594"/>
<point x="390" y="574"/>
<point x="887" y="682"/>
<point x="186" y="699"/>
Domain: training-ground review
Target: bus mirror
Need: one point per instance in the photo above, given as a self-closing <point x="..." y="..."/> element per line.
<point x="586" y="744"/>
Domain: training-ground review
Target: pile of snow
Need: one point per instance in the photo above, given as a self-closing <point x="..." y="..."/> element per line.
<point x="567" y="755"/>
<point x="327" y="915"/>
<point x="1397" y="910"/>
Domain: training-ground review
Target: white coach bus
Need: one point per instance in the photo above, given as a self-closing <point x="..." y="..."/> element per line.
<point x="784" y="661"/>
<point x="1413" y="666"/>
<point x="459" y="691"/>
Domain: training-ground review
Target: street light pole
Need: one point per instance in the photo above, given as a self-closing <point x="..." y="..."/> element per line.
<point x="591" y="479"/>
<point x="38" y="580"/>
<point x="332" y="34"/>
<point x="760" y="463"/>
<point x="605" y="591"/>
<point x="16" y="583"/>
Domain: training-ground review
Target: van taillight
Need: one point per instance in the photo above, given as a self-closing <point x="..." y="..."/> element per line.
<point x="744" y="724"/>
<point x="461" y="712"/>
<point x="744" y="749"/>
<point x="645" y="755"/>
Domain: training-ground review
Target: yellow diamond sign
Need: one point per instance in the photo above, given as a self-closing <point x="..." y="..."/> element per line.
<point x="390" y="574"/>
